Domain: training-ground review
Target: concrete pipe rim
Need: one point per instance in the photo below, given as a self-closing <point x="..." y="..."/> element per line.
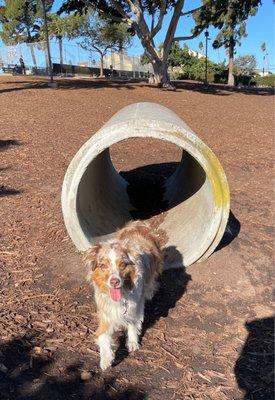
<point x="167" y="131"/>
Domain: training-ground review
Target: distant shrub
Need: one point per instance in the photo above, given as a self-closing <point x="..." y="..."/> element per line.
<point x="267" y="81"/>
<point x="175" y="73"/>
<point x="221" y="77"/>
<point x="245" y="80"/>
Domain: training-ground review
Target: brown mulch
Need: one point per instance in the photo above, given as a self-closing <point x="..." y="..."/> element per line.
<point x="208" y="332"/>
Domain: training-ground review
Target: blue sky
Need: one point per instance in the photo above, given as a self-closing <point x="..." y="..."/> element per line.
<point x="260" y="28"/>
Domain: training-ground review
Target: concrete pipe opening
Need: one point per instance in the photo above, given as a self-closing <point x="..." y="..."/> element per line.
<point x="193" y="200"/>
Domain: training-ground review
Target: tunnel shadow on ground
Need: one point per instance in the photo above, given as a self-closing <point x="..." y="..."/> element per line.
<point x="232" y="230"/>
<point x="254" y="368"/>
<point x="172" y="286"/>
<point x="27" y="377"/>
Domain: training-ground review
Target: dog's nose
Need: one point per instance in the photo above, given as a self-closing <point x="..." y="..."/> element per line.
<point x="114" y="282"/>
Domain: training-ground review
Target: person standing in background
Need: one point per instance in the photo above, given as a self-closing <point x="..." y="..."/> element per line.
<point x="22" y="64"/>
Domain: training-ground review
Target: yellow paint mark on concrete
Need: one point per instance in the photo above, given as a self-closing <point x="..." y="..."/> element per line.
<point x="216" y="175"/>
<point x="214" y="172"/>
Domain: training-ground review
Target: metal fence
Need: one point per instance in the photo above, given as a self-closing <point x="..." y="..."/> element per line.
<point x="35" y="56"/>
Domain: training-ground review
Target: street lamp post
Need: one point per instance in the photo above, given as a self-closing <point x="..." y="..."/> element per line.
<point x="265" y="62"/>
<point x="206" y="34"/>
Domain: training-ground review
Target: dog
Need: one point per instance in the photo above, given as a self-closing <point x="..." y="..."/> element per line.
<point x="124" y="274"/>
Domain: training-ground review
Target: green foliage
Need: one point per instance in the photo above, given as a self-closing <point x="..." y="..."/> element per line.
<point x="267" y="81"/>
<point x="98" y="34"/>
<point x="230" y="36"/>
<point x="184" y="65"/>
<point x="21" y="20"/>
<point x="176" y="55"/>
<point x="196" y="70"/>
<point x="110" y="8"/>
<point x="245" y="65"/>
<point x="226" y="15"/>
<point x="229" y="17"/>
<point x="62" y="27"/>
<point x="144" y="59"/>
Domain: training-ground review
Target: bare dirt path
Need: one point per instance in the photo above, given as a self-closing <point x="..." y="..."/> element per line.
<point x="209" y="330"/>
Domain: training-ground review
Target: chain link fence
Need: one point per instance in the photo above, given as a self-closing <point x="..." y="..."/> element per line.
<point x="35" y="59"/>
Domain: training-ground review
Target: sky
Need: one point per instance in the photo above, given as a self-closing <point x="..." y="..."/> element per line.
<point x="260" y="28"/>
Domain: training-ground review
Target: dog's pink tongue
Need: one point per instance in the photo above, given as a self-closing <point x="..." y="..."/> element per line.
<point x="116" y="294"/>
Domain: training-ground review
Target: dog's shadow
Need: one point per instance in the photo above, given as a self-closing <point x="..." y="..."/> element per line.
<point x="172" y="285"/>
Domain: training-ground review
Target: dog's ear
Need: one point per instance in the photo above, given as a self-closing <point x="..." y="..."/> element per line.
<point x="90" y="257"/>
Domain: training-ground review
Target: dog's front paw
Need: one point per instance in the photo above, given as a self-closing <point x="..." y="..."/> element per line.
<point x="106" y="361"/>
<point x="132" y="346"/>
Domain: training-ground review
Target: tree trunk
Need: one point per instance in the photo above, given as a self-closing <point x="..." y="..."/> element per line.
<point x="33" y="55"/>
<point x="231" y="79"/>
<point x="101" y="75"/>
<point x="46" y="60"/>
<point x="161" y="77"/>
<point x="31" y="48"/>
<point x="60" y="45"/>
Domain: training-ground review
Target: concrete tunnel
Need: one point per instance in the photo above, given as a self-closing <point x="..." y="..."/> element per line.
<point x="95" y="201"/>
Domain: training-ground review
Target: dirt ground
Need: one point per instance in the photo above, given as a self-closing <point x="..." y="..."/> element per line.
<point x="208" y="331"/>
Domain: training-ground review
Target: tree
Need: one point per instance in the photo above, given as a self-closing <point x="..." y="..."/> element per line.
<point x="145" y="19"/>
<point x="246" y="65"/>
<point x="176" y="55"/>
<point x="264" y="50"/>
<point x="228" y="37"/>
<point x="18" y="19"/>
<point x="62" y="27"/>
<point x="229" y="17"/>
<point x="21" y="22"/>
<point x="99" y="35"/>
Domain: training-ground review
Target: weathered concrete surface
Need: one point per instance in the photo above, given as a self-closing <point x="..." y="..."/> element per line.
<point x="94" y="196"/>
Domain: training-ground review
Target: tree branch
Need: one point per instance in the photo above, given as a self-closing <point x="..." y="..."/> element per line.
<point x="176" y="39"/>
<point x="172" y="28"/>
<point x="121" y="11"/>
<point x="182" y="14"/>
<point x="162" y="11"/>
